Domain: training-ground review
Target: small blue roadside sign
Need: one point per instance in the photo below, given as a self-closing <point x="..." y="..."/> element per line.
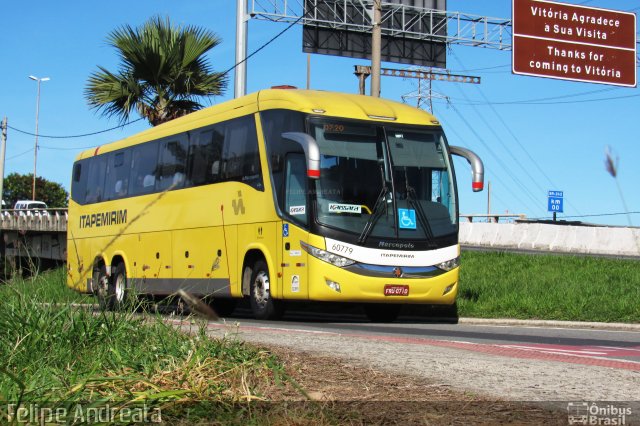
<point x="555" y="201"/>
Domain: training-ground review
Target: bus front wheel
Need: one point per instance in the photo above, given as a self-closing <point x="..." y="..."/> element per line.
<point x="264" y="307"/>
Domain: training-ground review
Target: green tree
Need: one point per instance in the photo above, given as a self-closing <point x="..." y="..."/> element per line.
<point x="18" y="187"/>
<point x="163" y="71"/>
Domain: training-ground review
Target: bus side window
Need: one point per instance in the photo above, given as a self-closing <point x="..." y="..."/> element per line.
<point x="241" y="158"/>
<point x="144" y="168"/>
<point x="173" y="159"/>
<point x="274" y="124"/>
<point x="79" y="181"/>
<point x="205" y="152"/>
<point x="94" y="190"/>
<point x="118" y="167"/>
<point x="296" y="187"/>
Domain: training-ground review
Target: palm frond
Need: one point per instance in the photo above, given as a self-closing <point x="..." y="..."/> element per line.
<point x="163" y="71"/>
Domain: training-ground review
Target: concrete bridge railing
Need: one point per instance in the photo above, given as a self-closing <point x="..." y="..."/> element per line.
<point x="50" y="220"/>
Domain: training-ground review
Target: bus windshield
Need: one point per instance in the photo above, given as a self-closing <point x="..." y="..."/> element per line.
<point x="389" y="182"/>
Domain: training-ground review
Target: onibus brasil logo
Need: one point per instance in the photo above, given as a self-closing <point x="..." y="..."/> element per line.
<point x="584" y="413"/>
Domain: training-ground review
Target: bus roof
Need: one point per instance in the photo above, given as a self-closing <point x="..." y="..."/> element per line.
<point x="330" y="104"/>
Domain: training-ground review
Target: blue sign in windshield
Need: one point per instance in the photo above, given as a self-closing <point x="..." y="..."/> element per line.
<point x="407" y="218"/>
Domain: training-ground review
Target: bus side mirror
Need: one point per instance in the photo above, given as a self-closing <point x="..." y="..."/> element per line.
<point x="477" y="168"/>
<point x="311" y="151"/>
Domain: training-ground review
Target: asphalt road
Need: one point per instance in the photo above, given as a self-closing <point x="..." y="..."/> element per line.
<point x="554" y="338"/>
<point x="518" y="361"/>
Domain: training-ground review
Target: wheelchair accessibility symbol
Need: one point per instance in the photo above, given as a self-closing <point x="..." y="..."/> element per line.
<point x="407" y="218"/>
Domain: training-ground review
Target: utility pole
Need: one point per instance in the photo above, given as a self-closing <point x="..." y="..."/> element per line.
<point x="3" y="148"/>
<point x="488" y="201"/>
<point x="240" y="86"/>
<point x="35" y="150"/>
<point x="376" y="45"/>
<point x="308" y="71"/>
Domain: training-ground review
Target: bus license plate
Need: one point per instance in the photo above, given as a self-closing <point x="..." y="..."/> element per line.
<point x="396" y="290"/>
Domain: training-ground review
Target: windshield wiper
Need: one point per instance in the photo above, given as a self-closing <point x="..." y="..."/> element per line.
<point x="381" y="203"/>
<point x="422" y="217"/>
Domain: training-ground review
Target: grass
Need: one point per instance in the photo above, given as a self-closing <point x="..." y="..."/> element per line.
<point x="59" y="356"/>
<point x="56" y="355"/>
<point x="549" y="287"/>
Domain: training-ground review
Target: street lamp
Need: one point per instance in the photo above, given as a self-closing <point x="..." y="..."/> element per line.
<point x="35" y="151"/>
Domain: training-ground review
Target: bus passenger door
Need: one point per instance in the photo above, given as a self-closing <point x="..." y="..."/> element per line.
<point x="294" y="258"/>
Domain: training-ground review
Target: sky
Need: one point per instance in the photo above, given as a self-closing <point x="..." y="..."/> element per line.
<point x="533" y="134"/>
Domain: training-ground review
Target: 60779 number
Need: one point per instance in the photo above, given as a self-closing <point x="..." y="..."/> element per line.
<point x="341" y="248"/>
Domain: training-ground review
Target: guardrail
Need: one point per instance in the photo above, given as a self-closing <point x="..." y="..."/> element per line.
<point x="50" y="220"/>
<point x="495" y="218"/>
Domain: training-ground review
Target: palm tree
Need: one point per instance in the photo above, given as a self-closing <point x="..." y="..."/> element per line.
<point x="162" y="72"/>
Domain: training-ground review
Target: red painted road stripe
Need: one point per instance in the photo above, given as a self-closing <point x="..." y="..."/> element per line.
<point x="499" y="350"/>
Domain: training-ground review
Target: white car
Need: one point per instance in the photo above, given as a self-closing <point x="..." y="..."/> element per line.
<point x="31" y="208"/>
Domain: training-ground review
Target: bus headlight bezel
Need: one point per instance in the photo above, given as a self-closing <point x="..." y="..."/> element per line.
<point x="449" y="264"/>
<point x="325" y="256"/>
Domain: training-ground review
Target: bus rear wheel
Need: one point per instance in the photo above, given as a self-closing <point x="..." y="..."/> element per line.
<point x="101" y="286"/>
<point x="264" y="307"/>
<point x="117" y="291"/>
<point x="379" y="312"/>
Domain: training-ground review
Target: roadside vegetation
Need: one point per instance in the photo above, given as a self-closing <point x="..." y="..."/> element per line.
<point x="57" y="355"/>
<point x="549" y="287"/>
<point x="63" y="357"/>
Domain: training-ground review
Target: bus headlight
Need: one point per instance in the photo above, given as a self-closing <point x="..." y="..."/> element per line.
<point x="333" y="285"/>
<point x="449" y="264"/>
<point x="325" y="256"/>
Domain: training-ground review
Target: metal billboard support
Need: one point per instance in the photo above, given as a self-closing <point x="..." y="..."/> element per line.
<point x="240" y="79"/>
<point x="450" y="27"/>
<point x="363" y="71"/>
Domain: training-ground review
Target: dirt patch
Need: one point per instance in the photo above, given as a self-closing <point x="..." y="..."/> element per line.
<point x="347" y="392"/>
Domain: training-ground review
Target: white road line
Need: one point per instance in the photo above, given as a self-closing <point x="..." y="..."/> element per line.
<point x="538" y="348"/>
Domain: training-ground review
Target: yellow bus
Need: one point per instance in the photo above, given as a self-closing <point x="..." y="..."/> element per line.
<point x="280" y="195"/>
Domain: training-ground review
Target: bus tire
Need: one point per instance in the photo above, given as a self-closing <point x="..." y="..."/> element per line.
<point x="264" y="307"/>
<point x="381" y="312"/>
<point x="100" y="286"/>
<point x="117" y="294"/>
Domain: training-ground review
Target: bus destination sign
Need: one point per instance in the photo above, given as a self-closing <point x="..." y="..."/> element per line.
<point x="572" y="42"/>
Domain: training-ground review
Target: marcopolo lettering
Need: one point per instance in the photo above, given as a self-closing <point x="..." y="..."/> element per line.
<point x="114" y="217"/>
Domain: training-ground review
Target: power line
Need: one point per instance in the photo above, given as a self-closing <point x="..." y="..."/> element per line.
<point x="142" y="118"/>
<point x="517" y="140"/>
<point x="508" y="150"/>
<point x="74" y="136"/>
<point x="548" y="98"/>
<point x="486" y="68"/>
<point x="65" y="149"/>
<point x="517" y="161"/>
<point x="21" y="154"/>
<point x="588" y="215"/>
<point x="265" y="44"/>
<point x="557" y="102"/>
<point x="488" y="148"/>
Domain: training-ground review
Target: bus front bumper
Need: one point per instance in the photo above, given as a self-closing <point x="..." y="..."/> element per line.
<point x="331" y="283"/>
